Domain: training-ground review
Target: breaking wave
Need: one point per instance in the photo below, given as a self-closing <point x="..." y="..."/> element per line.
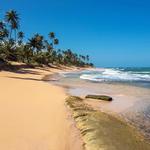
<point x="116" y="74"/>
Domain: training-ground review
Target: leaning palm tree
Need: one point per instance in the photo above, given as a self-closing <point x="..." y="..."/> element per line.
<point x="12" y="18"/>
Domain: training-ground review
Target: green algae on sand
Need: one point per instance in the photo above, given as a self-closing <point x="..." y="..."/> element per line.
<point x="101" y="131"/>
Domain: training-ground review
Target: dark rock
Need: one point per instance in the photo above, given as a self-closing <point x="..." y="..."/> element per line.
<point x="100" y="97"/>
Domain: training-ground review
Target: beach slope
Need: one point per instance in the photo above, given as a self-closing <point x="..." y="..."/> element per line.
<point x="32" y="113"/>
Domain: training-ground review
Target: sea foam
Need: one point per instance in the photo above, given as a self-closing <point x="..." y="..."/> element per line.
<point x="115" y="75"/>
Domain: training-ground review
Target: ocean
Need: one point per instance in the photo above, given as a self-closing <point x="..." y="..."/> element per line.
<point x="129" y="88"/>
<point x="131" y="76"/>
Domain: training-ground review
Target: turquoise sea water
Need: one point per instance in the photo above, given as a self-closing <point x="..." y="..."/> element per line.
<point x="132" y="76"/>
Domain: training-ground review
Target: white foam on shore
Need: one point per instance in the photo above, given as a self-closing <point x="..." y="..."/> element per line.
<point x="115" y="75"/>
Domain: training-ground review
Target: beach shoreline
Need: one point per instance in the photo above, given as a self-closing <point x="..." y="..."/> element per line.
<point x="32" y="113"/>
<point x="55" y="126"/>
<point x="130" y="103"/>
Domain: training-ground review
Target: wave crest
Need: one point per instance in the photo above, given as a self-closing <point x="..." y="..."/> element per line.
<point x="115" y="75"/>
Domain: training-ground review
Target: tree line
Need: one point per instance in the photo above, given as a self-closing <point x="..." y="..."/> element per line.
<point x="37" y="49"/>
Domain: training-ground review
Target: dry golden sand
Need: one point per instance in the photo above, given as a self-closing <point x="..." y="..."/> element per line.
<point x="32" y="113"/>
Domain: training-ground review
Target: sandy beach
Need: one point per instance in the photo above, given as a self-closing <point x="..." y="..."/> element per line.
<point x="74" y="79"/>
<point x="32" y="113"/>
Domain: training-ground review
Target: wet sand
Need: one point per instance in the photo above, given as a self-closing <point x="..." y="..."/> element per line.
<point x="130" y="103"/>
<point x="102" y="131"/>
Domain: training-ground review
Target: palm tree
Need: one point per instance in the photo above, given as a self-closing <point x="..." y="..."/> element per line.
<point x="15" y="27"/>
<point x="37" y="49"/>
<point x="48" y="46"/>
<point x="36" y="42"/>
<point x="12" y="18"/>
<point x="20" y="37"/>
<point x="56" y="41"/>
<point x="4" y="34"/>
<point x="3" y="31"/>
<point x="32" y="43"/>
<point x="51" y="53"/>
<point x="28" y="53"/>
<point x="52" y="35"/>
<point x="87" y="58"/>
<point x="2" y="25"/>
<point x="39" y="42"/>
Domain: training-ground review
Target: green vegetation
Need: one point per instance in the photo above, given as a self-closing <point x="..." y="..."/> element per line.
<point x="102" y="131"/>
<point x="100" y="97"/>
<point x="36" y="50"/>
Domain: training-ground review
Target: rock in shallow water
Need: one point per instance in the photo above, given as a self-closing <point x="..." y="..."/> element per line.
<point x="100" y="97"/>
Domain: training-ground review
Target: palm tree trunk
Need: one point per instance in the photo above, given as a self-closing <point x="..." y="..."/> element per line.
<point x="10" y="33"/>
<point x="15" y="37"/>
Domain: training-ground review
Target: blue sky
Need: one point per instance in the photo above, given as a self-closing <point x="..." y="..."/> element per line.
<point x="112" y="32"/>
